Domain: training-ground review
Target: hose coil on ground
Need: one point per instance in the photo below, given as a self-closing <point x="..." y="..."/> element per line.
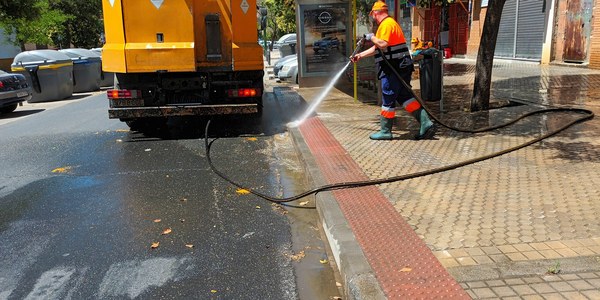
<point x="587" y="115"/>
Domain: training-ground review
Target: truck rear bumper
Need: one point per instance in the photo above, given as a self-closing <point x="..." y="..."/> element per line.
<point x="184" y="110"/>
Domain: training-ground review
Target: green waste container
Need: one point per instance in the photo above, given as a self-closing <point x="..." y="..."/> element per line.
<point x="87" y="69"/>
<point x="48" y="72"/>
<point x="430" y="74"/>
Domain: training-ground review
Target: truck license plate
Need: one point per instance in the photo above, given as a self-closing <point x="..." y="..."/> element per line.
<point x="22" y="94"/>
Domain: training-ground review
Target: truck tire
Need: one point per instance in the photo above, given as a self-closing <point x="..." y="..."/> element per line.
<point x="134" y="125"/>
<point x="146" y="124"/>
<point x="8" y="109"/>
<point x="259" y="111"/>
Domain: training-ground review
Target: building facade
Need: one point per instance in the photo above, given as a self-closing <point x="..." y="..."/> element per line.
<point x="546" y="31"/>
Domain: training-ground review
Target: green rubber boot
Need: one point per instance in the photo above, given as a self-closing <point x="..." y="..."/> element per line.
<point x="386" y="130"/>
<point x="427" y="128"/>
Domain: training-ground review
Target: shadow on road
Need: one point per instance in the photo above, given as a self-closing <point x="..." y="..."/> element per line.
<point x="20" y="113"/>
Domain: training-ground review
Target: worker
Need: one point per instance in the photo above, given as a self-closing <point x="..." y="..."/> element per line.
<point x="390" y="40"/>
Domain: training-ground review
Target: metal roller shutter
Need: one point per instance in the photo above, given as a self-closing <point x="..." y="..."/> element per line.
<point x="523" y="22"/>
<point x="530" y="29"/>
<point x="505" y="43"/>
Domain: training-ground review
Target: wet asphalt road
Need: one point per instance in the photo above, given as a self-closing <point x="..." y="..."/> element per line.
<point x="81" y="196"/>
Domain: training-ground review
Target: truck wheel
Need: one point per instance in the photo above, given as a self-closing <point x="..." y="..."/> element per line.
<point x="134" y="125"/>
<point x="8" y="109"/>
<point x="259" y="111"/>
<point x="147" y="124"/>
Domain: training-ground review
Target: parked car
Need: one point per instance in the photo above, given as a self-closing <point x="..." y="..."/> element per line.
<point x="289" y="38"/>
<point x="262" y="43"/>
<point x="13" y="90"/>
<point x="289" y="71"/>
<point x="325" y="44"/>
<point x="279" y="64"/>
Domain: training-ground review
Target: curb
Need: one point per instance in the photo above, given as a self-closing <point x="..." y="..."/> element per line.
<point x="357" y="275"/>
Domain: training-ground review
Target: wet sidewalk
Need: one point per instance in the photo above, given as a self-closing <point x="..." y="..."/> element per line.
<point x="520" y="226"/>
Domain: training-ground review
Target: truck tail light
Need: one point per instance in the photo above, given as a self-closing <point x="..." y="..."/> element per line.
<point x="124" y="94"/>
<point x="243" y="93"/>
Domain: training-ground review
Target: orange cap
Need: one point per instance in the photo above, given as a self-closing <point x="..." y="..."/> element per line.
<point x="379" y="5"/>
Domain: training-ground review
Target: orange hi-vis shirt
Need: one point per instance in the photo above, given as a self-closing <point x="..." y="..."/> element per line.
<point x="390" y="31"/>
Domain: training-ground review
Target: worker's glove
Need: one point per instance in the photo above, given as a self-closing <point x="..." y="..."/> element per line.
<point x="369" y="36"/>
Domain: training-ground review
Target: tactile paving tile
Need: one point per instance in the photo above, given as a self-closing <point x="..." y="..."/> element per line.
<point x="405" y="267"/>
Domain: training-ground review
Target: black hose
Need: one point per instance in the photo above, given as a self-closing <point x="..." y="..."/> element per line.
<point x="354" y="184"/>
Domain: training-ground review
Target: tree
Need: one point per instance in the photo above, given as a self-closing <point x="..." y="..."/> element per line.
<point x="485" y="56"/>
<point x="31" y="21"/>
<point x="84" y="25"/>
<point x="58" y="22"/>
<point x="281" y="17"/>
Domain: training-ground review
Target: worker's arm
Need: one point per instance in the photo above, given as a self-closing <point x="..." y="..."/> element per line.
<point x="366" y="53"/>
<point x="381" y="44"/>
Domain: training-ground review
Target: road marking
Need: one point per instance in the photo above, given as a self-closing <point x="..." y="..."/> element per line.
<point x="132" y="278"/>
<point x="52" y="284"/>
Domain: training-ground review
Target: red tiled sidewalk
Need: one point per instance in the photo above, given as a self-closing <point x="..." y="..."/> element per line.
<point x="404" y="266"/>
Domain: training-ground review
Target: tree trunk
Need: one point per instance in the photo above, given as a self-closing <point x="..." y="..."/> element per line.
<point x="485" y="56"/>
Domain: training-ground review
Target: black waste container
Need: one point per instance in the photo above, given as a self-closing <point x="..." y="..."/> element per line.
<point x="430" y="78"/>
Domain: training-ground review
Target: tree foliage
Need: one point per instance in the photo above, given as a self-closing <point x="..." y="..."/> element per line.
<point x="281" y="17"/>
<point x="56" y="22"/>
<point x="84" y="25"/>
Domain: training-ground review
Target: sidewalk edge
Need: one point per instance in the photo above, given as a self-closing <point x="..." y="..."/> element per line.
<point x="356" y="272"/>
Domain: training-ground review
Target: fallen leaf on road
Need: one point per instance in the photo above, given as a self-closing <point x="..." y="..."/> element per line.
<point x="213" y="291"/>
<point x="303" y="203"/>
<point x="278" y="208"/>
<point x="258" y="207"/>
<point x="252" y="139"/>
<point x="243" y="192"/>
<point x="323" y="261"/>
<point x="183" y="199"/>
<point x="155" y="245"/>
<point x="338" y="284"/>
<point x="167" y="231"/>
<point x="297" y="257"/>
<point x="157" y="220"/>
<point x="148" y="150"/>
<point x="189" y="245"/>
<point x="406" y="269"/>
<point x="61" y="170"/>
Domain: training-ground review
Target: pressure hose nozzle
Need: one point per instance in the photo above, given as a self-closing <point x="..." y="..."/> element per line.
<point x="358" y="46"/>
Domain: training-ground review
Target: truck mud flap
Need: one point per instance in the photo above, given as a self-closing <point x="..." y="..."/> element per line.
<point x="169" y="111"/>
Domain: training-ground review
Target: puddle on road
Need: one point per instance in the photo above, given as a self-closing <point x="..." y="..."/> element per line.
<point x="316" y="279"/>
